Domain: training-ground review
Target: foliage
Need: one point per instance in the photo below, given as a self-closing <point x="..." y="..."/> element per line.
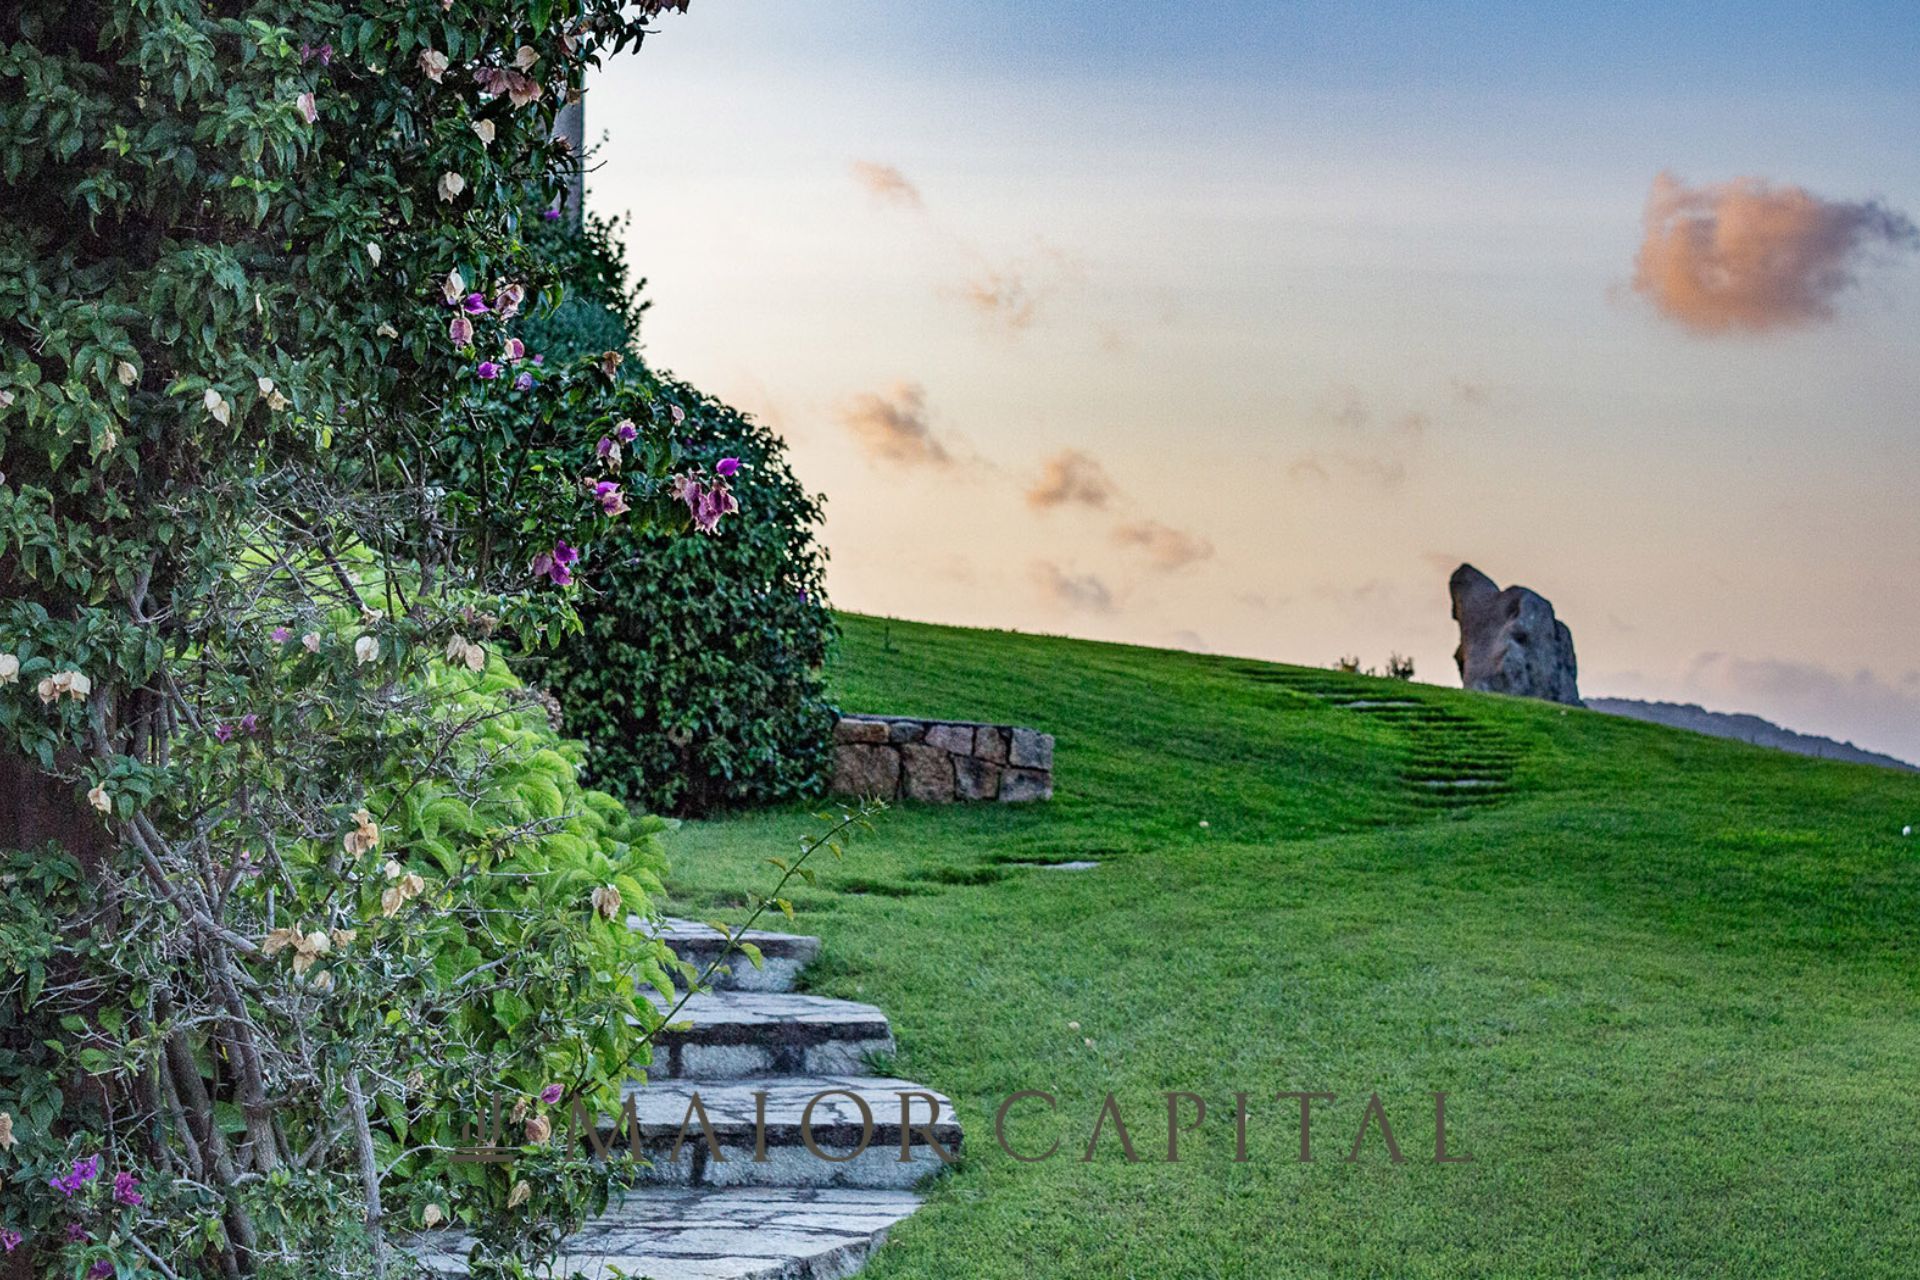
<point x="695" y="676"/>
<point x="281" y="483"/>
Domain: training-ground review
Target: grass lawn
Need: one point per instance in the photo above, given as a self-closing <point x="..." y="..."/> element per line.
<point x="1667" y="982"/>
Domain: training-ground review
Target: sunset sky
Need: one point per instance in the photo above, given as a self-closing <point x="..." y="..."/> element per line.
<point x="1235" y="326"/>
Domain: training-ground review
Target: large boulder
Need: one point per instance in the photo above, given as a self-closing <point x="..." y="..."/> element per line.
<point x="1510" y="642"/>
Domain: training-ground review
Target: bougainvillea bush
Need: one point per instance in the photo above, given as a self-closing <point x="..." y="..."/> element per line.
<point x="696" y="675"/>
<point x="283" y="482"/>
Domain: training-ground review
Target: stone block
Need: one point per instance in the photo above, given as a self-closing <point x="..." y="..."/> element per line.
<point x="957" y="738"/>
<point x="905" y="731"/>
<point x="928" y="773"/>
<point x="1031" y="749"/>
<point x="1018" y="785"/>
<point x="975" y="779"/>
<point x="990" y="743"/>
<point x="864" y="770"/>
<point x="854" y="729"/>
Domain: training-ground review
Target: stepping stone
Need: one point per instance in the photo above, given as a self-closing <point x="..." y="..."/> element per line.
<point x="1078" y="865"/>
<point x="751" y="1033"/>
<point x="783" y="955"/>
<point x="743" y="1233"/>
<point x="835" y="1127"/>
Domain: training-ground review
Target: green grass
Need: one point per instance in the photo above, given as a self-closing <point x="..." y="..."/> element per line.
<point x="1668" y="983"/>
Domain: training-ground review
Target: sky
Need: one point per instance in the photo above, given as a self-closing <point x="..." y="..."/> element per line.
<point x="1236" y="326"/>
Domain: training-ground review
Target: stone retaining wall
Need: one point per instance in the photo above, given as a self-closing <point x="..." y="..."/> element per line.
<point x="940" y="761"/>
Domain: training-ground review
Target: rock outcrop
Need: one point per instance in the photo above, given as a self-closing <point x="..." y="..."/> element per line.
<point x="1510" y="642"/>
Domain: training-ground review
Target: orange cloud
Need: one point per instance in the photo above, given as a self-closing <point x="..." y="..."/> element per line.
<point x="894" y="427"/>
<point x="1747" y="255"/>
<point x="886" y="184"/>
<point x="1167" y="547"/>
<point x="1071" y="476"/>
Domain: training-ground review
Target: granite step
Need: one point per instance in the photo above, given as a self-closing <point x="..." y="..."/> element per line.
<point x="783" y="955"/>
<point x="737" y="1034"/>
<point x="763" y="1128"/>
<point x="740" y="1233"/>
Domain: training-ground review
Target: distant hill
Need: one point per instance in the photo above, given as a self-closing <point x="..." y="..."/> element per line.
<point x="1745" y="728"/>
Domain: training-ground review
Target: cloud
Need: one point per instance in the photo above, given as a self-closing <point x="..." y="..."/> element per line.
<point x="1075" y="590"/>
<point x="893" y="427"/>
<point x="1167" y="547"/>
<point x="1347" y="408"/>
<point x="1386" y="472"/>
<point x="1011" y="296"/>
<point x="886" y="184"/>
<point x="1477" y="394"/>
<point x="1747" y="255"/>
<point x="1071" y="476"/>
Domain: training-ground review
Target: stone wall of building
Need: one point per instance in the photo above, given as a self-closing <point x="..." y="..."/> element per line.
<point x="940" y="761"/>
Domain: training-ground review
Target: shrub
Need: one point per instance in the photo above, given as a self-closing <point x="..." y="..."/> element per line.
<point x="696" y="675"/>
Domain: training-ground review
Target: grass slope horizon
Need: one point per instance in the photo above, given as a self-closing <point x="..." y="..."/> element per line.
<point x="1667" y="981"/>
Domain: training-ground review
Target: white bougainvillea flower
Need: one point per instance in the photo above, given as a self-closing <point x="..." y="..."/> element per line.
<point x="451" y="185"/>
<point x="524" y="57"/>
<point x="322" y="981"/>
<point x="309" y="110"/>
<point x="373" y="253"/>
<point x="275" y="401"/>
<point x="6" y="399"/>
<point x="606" y="900"/>
<point x="432" y="1216"/>
<point x="520" y="1194"/>
<point x="341" y="937"/>
<point x="108" y="438"/>
<point x="454" y="287"/>
<point x="311" y="642"/>
<point x="100" y="800"/>
<point x="364" y="836"/>
<point x="507" y="301"/>
<point x="217" y="406"/>
<point x="610" y="362"/>
<point x="539" y="1129"/>
<point x="71" y="684"/>
<point x="517" y="87"/>
<point x="462" y="650"/>
<point x="402" y="891"/>
<point x="127" y="374"/>
<point x="366" y="649"/>
<point x="9" y="669"/>
<point x="279" y="940"/>
<point x="6" y="1131"/>
<point x="486" y="131"/>
<point x="433" y="64"/>
<point x="386" y="330"/>
<point x="47" y="689"/>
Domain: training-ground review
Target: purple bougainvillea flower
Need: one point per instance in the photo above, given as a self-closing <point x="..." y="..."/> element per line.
<point x="727" y="468"/>
<point x="309" y="109"/>
<point x="10" y="1240"/>
<point x="626" y="431"/>
<point x="280" y="635"/>
<point x="100" y="1270"/>
<point x="460" y="331"/>
<point x="557" y="564"/>
<point x="508" y="300"/>
<point x="476" y="304"/>
<point x="804" y="597"/>
<point x="607" y="450"/>
<point x="515" y="348"/>
<point x="249" y="723"/>
<point x="84" y="1170"/>
<point x="223" y="732"/>
<point x="323" y="52"/>
<point x="487" y="371"/>
<point x="551" y="215"/>
<point x="552" y="1094"/>
<point x="126" y="1190"/>
<point x="523" y="383"/>
<point x="611" y="500"/>
<point x="705" y="503"/>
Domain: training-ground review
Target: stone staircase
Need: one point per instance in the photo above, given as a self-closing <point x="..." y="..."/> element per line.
<point x="777" y="1184"/>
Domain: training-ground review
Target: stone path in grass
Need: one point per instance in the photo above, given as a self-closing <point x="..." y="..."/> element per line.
<point x="809" y="1161"/>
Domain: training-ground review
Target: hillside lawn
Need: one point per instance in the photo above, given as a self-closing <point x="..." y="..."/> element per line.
<point x="1667" y="982"/>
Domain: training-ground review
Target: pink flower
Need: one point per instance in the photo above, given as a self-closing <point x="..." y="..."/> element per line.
<point x="611" y="500"/>
<point x="475" y="305"/>
<point x="460" y="331"/>
<point x="557" y="564"/>
<point x="607" y="450"/>
<point x="508" y="300"/>
<point x="727" y="468"/>
<point x="679" y="414"/>
<point x="308" y="110"/>
<point x="552" y="1094"/>
<point x="223" y="732"/>
<point x="487" y="371"/>
<point x="515" y="348"/>
<point x="10" y="1240"/>
<point x="280" y="635"/>
<point x="523" y="383"/>
<point x="705" y="503"/>
<point x="626" y="431"/>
